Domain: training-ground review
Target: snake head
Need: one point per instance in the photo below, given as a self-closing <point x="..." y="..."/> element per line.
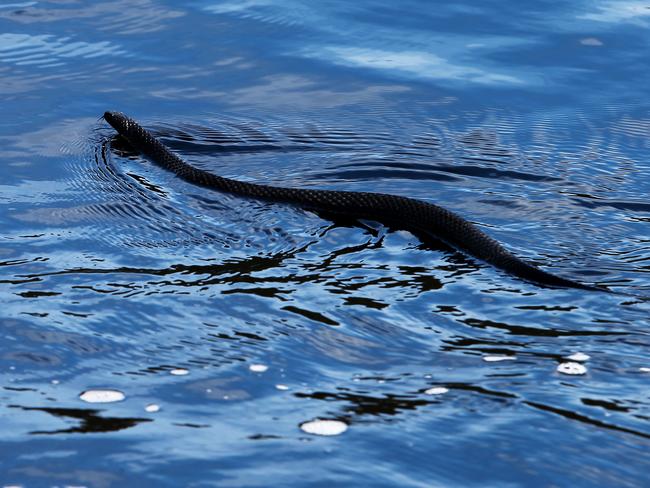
<point x="120" y="122"/>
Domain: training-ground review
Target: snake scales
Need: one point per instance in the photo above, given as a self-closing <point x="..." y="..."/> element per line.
<point x="408" y="213"/>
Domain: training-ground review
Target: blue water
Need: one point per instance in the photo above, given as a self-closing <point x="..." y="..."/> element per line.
<point x="531" y="119"/>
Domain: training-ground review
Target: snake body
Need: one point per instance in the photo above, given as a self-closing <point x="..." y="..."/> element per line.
<point x="408" y="213"/>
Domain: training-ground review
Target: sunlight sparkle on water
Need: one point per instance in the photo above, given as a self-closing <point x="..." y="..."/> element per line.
<point x="436" y="390"/>
<point x="102" y="396"/>
<point x="496" y="359"/>
<point x="258" y="368"/>
<point x="579" y="356"/>
<point x="324" y="427"/>
<point x="571" y="368"/>
<point x="179" y="372"/>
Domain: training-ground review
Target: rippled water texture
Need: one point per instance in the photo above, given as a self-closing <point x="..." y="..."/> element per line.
<point x="159" y="334"/>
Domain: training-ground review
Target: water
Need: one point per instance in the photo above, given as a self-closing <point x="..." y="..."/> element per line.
<point x="230" y="325"/>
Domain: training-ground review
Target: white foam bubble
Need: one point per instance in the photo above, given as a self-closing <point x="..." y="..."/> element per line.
<point x="571" y="368"/>
<point x="258" y="368"/>
<point x="496" y="359"/>
<point x="282" y="387"/>
<point x="102" y="396"/>
<point x="579" y="356"/>
<point x="324" y="427"/>
<point x="644" y="370"/>
<point x="179" y="372"/>
<point x="152" y="408"/>
<point x="436" y="390"/>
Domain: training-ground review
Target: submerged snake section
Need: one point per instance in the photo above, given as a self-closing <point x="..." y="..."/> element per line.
<point x="410" y="214"/>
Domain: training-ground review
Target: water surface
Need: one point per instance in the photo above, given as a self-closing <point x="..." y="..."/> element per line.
<point x="228" y="323"/>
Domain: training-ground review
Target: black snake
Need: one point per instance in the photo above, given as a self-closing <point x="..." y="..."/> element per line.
<point x="407" y="213"/>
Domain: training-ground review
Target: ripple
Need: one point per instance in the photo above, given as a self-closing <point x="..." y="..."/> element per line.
<point x="120" y="16"/>
<point x="262" y="11"/>
<point x="633" y="127"/>
<point x="127" y="200"/>
<point x="47" y="51"/>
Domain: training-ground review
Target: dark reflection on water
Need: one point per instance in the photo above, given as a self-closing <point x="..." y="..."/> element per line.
<point x="530" y="120"/>
<point x="90" y="420"/>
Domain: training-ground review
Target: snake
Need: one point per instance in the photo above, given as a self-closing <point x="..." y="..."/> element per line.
<point x="418" y="216"/>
